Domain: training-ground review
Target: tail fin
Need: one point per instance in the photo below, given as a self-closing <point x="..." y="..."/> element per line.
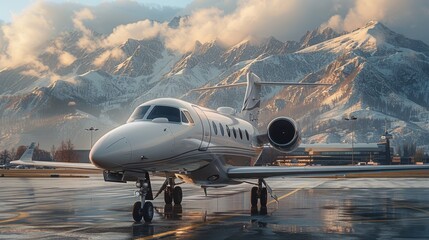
<point x="252" y="98"/>
<point x="27" y="156"/>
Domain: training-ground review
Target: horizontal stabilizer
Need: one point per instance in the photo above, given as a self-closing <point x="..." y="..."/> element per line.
<point x="244" y="84"/>
<point x="292" y="84"/>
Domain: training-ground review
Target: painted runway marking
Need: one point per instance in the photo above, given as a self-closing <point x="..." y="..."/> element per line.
<point x="19" y="216"/>
<point x="187" y="228"/>
<point x="285" y="196"/>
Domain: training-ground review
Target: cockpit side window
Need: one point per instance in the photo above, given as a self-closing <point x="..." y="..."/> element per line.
<point x="138" y="113"/>
<point x="186" y="117"/>
<point x="171" y="113"/>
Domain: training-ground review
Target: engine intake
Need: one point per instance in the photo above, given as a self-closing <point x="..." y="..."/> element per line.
<point x="283" y="134"/>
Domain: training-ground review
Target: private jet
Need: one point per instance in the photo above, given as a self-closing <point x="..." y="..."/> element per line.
<point x="184" y="142"/>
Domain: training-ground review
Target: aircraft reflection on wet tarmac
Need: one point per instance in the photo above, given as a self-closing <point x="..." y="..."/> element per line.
<point x="308" y="208"/>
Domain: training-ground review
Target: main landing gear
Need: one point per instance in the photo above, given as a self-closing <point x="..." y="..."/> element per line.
<point x="260" y="192"/>
<point x="143" y="209"/>
<point x="172" y="193"/>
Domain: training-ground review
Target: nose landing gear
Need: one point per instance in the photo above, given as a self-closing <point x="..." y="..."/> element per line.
<point x="145" y="193"/>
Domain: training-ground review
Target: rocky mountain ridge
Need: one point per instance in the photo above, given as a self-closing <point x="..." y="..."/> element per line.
<point x="376" y="74"/>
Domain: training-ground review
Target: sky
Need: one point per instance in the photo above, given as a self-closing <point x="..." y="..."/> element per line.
<point x="28" y="27"/>
<point x="9" y="8"/>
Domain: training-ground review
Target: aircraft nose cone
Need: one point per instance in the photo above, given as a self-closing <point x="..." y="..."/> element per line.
<point x="110" y="154"/>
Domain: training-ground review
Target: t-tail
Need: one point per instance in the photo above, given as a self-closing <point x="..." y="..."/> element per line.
<point x="252" y="98"/>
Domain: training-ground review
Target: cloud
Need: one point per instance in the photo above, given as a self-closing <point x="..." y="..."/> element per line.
<point x="30" y="37"/>
<point x="87" y="40"/>
<point x="66" y="59"/>
<point x="31" y="31"/>
<point x="229" y="22"/>
<point x="109" y="15"/>
<point x="139" y="30"/>
<point x="115" y="54"/>
<point x="403" y="16"/>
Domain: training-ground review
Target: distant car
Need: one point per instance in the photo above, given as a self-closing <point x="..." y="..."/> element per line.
<point x="361" y="163"/>
<point x="5" y="166"/>
<point x="22" y="167"/>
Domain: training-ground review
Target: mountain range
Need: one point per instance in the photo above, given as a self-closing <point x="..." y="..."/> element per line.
<point x="377" y="75"/>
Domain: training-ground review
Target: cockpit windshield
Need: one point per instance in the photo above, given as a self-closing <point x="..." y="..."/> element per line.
<point x="171" y="113"/>
<point x="138" y="113"/>
<point x="150" y="112"/>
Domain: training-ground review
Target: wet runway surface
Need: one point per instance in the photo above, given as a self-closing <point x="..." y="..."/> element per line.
<point x="89" y="208"/>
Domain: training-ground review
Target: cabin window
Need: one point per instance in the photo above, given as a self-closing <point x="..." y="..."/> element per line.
<point x="214" y="127"/>
<point x="241" y="134"/>
<point x="221" y="129"/>
<point x="234" y="132"/>
<point x="228" y="130"/>
<point x="138" y="113"/>
<point x="171" y="113"/>
<point x="247" y="135"/>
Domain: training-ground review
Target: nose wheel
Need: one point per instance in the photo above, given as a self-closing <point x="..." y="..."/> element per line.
<point x="146" y="212"/>
<point x="144" y="191"/>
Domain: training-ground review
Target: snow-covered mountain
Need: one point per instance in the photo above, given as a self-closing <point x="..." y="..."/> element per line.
<point x="376" y="75"/>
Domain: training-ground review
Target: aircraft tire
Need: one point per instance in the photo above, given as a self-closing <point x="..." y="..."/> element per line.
<point x="177" y="195"/>
<point x="137" y="216"/>
<point x="254" y="196"/>
<point x="264" y="197"/>
<point x="147" y="211"/>
<point x="168" y="195"/>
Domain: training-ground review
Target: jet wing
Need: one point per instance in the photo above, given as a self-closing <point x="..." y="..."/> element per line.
<point x="315" y="171"/>
<point x="27" y="159"/>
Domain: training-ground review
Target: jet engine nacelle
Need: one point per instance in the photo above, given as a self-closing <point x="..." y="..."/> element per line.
<point x="283" y="134"/>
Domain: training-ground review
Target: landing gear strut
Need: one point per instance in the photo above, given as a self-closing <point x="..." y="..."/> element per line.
<point x="143" y="209"/>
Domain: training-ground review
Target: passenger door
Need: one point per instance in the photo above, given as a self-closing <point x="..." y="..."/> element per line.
<point x="205" y="124"/>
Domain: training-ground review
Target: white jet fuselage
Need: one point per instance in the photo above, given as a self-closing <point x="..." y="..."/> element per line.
<point x="184" y="143"/>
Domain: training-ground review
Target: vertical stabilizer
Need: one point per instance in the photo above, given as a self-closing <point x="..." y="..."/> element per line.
<point x="252" y="99"/>
<point x="27" y="156"/>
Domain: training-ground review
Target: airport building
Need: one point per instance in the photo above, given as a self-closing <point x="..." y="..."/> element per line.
<point x="337" y="154"/>
<point x="331" y="154"/>
<point x="82" y="156"/>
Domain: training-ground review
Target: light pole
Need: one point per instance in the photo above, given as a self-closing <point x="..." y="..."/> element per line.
<point x="352" y="118"/>
<point x="91" y="129"/>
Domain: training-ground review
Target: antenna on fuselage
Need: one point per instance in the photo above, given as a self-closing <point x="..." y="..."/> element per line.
<point x="252" y="98"/>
